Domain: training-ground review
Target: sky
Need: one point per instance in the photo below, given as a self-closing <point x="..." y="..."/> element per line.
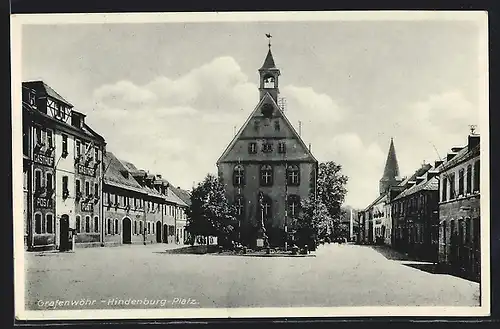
<point x="169" y="96"/>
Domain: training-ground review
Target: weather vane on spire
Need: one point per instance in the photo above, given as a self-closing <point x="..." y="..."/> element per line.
<point x="269" y="36"/>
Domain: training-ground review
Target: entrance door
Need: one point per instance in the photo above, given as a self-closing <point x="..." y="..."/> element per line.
<point x="64" y="244"/>
<point x="165" y="233"/>
<point x="158" y="231"/>
<point x="127" y="231"/>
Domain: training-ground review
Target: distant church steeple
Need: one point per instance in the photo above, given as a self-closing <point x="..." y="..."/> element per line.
<point x="391" y="170"/>
<point x="269" y="74"/>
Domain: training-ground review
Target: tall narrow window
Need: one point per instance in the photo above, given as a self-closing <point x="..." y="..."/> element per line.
<point x="116" y="227"/>
<point x="38" y="135"/>
<point x="78" y="151"/>
<point x="87" y="224"/>
<point x="140" y="228"/>
<point x="38" y="181"/>
<point x="266" y="175"/>
<point x="469" y="179"/>
<point x="461" y="182"/>
<point x="78" y="224"/>
<point x="49" y="182"/>
<point x="239" y="175"/>
<point x="135" y="227"/>
<point x="49" y="138"/>
<point x="293" y="175"/>
<point x="266" y="207"/>
<point x="50" y="223"/>
<point x="44" y="225"/>
<point x="240" y="205"/>
<point x="96" y="153"/>
<point x="293" y="205"/>
<point x="38" y="223"/>
<point x="87" y="188"/>
<point x="252" y="147"/>
<point x="477" y="176"/>
<point x="64" y="145"/>
<point x="444" y="189"/>
<point x="452" y="186"/>
<point x="282" y="147"/>
<point x="96" y="224"/>
<point x="78" y="188"/>
<point x="149" y="228"/>
<point x="65" y="185"/>
<point x="96" y="189"/>
<point x="110" y="226"/>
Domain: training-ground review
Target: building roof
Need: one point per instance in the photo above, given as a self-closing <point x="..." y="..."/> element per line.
<point x="114" y="174"/>
<point x="391" y="170"/>
<point x="461" y="156"/>
<point x="45" y="90"/>
<point x="269" y="61"/>
<point x="380" y="197"/>
<point x="184" y="195"/>
<point x="426" y="185"/>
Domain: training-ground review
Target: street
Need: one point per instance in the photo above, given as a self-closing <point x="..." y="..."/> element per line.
<point x="339" y="275"/>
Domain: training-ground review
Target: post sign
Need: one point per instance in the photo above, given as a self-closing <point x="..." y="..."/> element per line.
<point x="84" y="170"/>
<point x="43" y="159"/>
<point x="260" y="242"/>
<point x="87" y="206"/>
<point x="41" y="202"/>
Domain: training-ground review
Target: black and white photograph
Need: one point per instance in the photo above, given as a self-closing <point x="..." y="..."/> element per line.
<point x="258" y="164"/>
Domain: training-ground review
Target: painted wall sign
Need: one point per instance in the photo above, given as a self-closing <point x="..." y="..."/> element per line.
<point x="43" y="159"/>
<point x="41" y="202"/>
<point x="89" y="171"/>
<point x="87" y="206"/>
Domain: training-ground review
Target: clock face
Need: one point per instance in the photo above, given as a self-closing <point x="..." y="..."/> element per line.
<point x="267" y="110"/>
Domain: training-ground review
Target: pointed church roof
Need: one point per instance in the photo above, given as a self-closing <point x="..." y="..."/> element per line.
<point x="391" y="169"/>
<point x="269" y="61"/>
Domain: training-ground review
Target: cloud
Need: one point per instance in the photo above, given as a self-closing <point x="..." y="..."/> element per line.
<point x="180" y="126"/>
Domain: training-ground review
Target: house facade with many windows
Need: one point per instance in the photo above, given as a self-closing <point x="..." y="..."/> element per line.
<point x="459" y="210"/>
<point x="62" y="157"/>
<point x="267" y="170"/>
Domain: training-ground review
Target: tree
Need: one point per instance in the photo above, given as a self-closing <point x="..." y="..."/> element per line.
<point x="313" y="222"/>
<point x="210" y="213"/>
<point x="331" y="191"/>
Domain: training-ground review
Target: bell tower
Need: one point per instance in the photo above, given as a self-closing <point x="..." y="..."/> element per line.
<point x="269" y="75"/>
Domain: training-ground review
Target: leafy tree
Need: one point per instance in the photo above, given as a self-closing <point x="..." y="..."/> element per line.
<point x="313" y="222"/>
<point x="210" y="213"/>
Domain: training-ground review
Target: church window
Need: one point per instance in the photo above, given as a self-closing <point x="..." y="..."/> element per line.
<point x="240" y="205"/>
<point x="293" y="175"/>
<point x="265" y="203"/>
<point x="293" y="205"/>
<point x="252" y="147"/>
<point x="266" y="175"/>
<point x="239" y="175"/>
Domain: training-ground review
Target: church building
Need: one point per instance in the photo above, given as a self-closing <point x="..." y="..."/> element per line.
<point x="267" y="169"/>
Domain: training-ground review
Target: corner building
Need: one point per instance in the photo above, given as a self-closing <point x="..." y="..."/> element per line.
<point x="268" y="157"/>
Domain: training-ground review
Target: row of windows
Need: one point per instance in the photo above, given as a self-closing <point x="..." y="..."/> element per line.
<point x="266" y="175"/>
<point x="468" y="182"/>
<point x="409" y="205"/>
<point x="267" y="147"/>
<point x="48" y="187"/>
<point x="117" y="200"/>
<point x="86" y="226"/>
<point x="113" y="227"/>
<point x="265" y="205"/>
<point x="44" y="224"/>
<point x="44" y="137"/>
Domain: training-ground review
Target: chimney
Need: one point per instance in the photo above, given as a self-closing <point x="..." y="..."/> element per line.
<point x="473" y="141"/>
<point x="438" y="163"/>
<point x="450" y="156"/>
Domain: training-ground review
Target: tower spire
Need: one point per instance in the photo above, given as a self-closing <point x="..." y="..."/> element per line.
<point x="391" y="170"/>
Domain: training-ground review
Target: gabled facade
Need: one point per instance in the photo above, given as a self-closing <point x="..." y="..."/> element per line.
<point x="267" y="169"/>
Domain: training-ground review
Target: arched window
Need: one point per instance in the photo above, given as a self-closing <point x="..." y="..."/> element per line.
<point x="240" y="205"/>
<point x="266" y="175"/>
<point x="96" y="224"/>
<point x="293" y="175"/>
<point x="469" y="179"/>
<point x="78" y="224"/>
<point x="238" y="175"/>
<point x="110" y="226"/>
<point x="149" y="228"/>
<point x="135" y="226"/>
<point x="87" y="224"/>
<point x="140" y="228"/>
<point x="50" y="223"/>
<point x="116" y="227"/>
<point x="38" y="223"/>
<point x="293" y="205"/>
<point x="265" y="203"/>
<point x="44" y="225"/>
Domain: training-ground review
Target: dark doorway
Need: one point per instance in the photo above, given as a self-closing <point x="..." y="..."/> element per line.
<point x="165" y="233"/>
<point x="64" y="243"/>
<point x="127" y="231"/>
<point x="158" y="232"/>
